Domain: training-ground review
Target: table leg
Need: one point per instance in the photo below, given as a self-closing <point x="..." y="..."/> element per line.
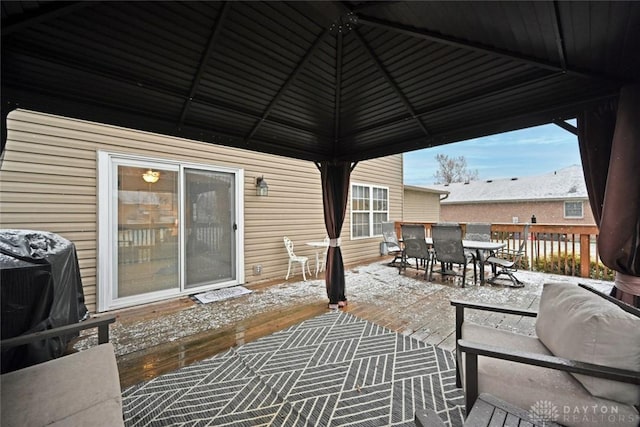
<point x="481" y="266"/>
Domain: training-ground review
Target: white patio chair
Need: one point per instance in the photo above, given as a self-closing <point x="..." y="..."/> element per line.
<point x="322" y="260"/>
<point x="303" y="260"/>
<point x="391" y="241"/>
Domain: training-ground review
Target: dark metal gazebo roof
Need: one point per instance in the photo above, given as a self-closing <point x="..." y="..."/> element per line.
<point x="318" y="80"/>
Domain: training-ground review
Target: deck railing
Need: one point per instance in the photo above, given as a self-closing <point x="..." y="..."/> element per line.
<point x="550" y="248"/>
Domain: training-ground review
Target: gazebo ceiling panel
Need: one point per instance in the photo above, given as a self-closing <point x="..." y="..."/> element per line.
<point x="318" y="80"/>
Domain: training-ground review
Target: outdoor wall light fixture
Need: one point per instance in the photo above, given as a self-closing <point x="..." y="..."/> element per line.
<point x="262" y="189"/>
<point x="151" y="176"/>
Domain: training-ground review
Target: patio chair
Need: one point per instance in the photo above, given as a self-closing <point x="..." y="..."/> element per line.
<point x="506" y="261"/>
<point x="415" y="246"/>
<point x="322" y="260"/>
<point x="448" y="250"/>
<point x="391" y="241"/>
<point x="303" y="260"/>
<point x="479" y="232"/>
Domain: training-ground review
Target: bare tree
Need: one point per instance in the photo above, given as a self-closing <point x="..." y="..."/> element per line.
<point x="453" y="169"/>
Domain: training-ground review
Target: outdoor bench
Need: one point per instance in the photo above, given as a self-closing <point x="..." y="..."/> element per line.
<point x="79" y="389"/>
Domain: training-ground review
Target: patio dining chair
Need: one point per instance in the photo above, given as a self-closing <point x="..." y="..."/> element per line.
<point x="293" y="258"/>
<point x="415" y="246"/>
<point x="448" y="250"/>
<point x="507" y="261"/>
<point x="391" y="241"/>
<point x="480" y="232"/>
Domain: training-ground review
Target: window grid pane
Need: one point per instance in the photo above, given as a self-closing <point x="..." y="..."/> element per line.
<point x="378" y="219"/>
<point x="360" y="225"/>
<point x="369" y="209"/>
<point x="573" y="209"/>
<point x="360" y="198"/>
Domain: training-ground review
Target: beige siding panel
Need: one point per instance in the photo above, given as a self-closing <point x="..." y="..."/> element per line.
<point x="48" y="182"/>
<point x="421" y="206"/>
<point x="46" y="208"/>
<point x="19" y="197"/>
<point x="36" y="159"/>
<point x="39" y="178"/>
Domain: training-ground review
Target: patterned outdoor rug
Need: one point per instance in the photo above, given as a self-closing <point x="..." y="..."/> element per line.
<point x="332" y="370"/>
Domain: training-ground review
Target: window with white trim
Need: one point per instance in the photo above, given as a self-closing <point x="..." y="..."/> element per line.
<point x="573" y="209"/>
<point x="369" y="209"/>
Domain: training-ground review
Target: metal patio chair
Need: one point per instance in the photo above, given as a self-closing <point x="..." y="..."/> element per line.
<point x="415" y="246"/>
<point x="391" y="241"/>
<point x="480" y="232"/>
<point x="303" y="260"/>
<point x="507" y="261"/>
<point x="448" y="250"/>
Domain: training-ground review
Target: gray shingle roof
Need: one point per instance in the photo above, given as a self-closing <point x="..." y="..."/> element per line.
<point x="563" y="184"/>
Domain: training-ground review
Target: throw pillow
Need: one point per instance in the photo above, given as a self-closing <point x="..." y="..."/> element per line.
<point x="576" y="324"/>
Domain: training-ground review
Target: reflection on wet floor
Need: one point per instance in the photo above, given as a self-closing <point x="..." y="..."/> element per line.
<point x="160" y="338"/>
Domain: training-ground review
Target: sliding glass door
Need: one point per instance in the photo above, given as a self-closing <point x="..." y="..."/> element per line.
<point x="147" y="229"/>
<point x="167" y="229"/>
<point x="209" y="227"/>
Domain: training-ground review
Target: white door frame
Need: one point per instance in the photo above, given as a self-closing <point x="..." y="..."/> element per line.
<point x="108" y="248"/>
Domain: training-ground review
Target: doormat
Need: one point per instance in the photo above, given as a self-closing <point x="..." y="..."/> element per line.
<point x="221" y="294"/>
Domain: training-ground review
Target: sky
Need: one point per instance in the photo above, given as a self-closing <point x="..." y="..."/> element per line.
<point x="525" y="152"/>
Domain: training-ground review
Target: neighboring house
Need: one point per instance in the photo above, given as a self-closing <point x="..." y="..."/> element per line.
<point x="421" y="204"/>
<point x="199" y="226"/>
<point x="558" y="197"/>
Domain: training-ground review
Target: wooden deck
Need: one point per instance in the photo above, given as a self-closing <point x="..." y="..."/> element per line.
<point x="419" y="309"/>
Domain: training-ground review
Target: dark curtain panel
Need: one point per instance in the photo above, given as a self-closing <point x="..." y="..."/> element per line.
<point x="610" y="150"/>
<point x="335" y="191"/>
<point x="595" y="132"/>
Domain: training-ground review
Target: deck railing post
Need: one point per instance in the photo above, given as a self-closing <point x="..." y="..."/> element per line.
<point x="585" y="255"/>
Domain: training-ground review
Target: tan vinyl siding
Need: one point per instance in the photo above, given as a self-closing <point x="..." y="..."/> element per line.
<point x="421" y="206"/>
<point x="48" y="181"/>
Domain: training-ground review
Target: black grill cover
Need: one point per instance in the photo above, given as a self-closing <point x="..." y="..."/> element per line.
<point x="40" y="288"/>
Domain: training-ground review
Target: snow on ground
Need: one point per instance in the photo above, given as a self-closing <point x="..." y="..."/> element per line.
<point x="375" y="283"/>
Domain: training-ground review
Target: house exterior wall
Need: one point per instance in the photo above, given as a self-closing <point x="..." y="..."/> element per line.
<point x="548" y="212"/>
<point x="420" y="206"/>
<point x="48" y="181"/>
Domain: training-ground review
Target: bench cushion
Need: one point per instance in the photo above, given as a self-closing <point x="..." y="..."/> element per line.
<point x="576" y="324"/>
<point x="79" y="389"/>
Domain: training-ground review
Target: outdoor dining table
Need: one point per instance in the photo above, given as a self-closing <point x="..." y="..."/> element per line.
<point x="478" y="246"/>
<point x="318" y="246"/>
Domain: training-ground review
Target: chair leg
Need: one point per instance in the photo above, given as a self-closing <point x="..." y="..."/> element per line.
<point x="516" y="283"/>
<point x="475" y="274"/>
<point x="464" y="275"/>
<point x="426" y="266"/>
<point x="288" y="271"/>
<point x="304" y="277"/>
